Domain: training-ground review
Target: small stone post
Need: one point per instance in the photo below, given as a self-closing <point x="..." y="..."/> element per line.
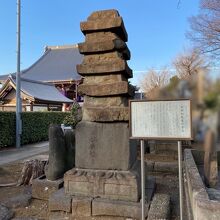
<point x="69" y="136"/>
<point x="210" y="160"/>
<point x="57" y="153"/>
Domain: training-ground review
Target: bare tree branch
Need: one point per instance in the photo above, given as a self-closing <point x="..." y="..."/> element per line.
<point x="205" y="28"/>
<point x="154" y="80"/>
<point x="189" y="63"/>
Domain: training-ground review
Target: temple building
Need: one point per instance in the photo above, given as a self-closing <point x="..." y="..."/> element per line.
<point x="49" y="84"/>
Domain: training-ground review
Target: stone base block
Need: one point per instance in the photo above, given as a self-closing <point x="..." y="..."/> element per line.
<point x="60" y="215"/>
<point x="43" y="188"/>
<point x="160" y="207"/>
<point x="59" y="201"/>
<point x="104" y="146"/>
<point x="102" y="218"/>
<point x="109" y="184"/>
<point x="81" y="206"/>
<point x="103" y="207"/>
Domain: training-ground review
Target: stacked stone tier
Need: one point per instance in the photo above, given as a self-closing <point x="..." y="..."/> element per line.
<point x="105" y="114"/>
<point x="102" y="21"/>
<point x="108" y="89"/>
<point x="105" y="67"/>
<point x="102" y="45"/>
<point x="105" y="70"/>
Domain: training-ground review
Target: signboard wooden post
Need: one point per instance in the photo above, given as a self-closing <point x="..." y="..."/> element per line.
<point x="161" y="120"/>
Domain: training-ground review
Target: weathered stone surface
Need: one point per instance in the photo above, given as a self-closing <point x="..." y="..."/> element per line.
<point x="69" y="136"/>
<point x="102" y="218"/>
<point x="104" y="146"/>
<point x="214" y="194"/>
<point x="103" y="57"/>
<point x="150" y="186"/>
<point x="109" y="184"/>
<point x="59" y="201"/>
<point x="107" y="89"/>
<point x="105" y="114"/>
<point x="105" y="101"/>
<point x="160" y="207"/>
<point x="43" y="188"/>
<point x="113" y="66"/>
<point x="97" y="15"/>
<point x="5" y="213"/>
<point x="105" y="46"/>
<point x="210" y="160"/>
<point x="57" y="153"/>
<point x="60" y="215"/>
<point x="170" y="167"/>
<point x="117" y="208"/>
<point x="104" y="79"/>
<point x="81" y="206"/>
<point x="25" y="218"/>
<point x="100" y="37"/>
<point x="114" y="24"/>
<point x="20" y="200"/>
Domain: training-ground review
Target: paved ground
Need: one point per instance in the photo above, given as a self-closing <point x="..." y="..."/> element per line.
<point x="26" y="151"/>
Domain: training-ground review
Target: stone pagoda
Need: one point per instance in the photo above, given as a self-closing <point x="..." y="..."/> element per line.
<point x="106" y="179"/>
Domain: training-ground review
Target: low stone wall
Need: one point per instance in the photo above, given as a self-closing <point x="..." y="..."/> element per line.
<point x="202" y="207"/>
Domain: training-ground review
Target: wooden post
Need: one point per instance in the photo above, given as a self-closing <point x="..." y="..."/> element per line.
<point x="31" y="107"/>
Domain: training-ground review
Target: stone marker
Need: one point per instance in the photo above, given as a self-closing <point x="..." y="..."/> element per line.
<point x="210" y="160"/>
<point x="69" y="136"/>
<point x="57" y="153"/>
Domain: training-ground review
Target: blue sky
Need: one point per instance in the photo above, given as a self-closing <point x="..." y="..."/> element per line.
<point x="156" y="29"/>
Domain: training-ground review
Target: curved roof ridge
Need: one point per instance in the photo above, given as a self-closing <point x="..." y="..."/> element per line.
<point x="13" y="77"/>
<point x="35" y="63"/>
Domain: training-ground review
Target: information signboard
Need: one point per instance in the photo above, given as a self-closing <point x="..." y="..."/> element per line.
<point x="160" y="120"/>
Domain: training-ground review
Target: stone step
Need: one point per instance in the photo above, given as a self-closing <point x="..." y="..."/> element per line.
<point x="167" y="167"/>
<point x="160" y="207"/>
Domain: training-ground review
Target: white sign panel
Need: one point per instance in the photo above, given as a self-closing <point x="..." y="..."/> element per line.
<point x="161" y="119"/>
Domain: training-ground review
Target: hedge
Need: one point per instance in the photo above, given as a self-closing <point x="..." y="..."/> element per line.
<point x="34" y="126"/>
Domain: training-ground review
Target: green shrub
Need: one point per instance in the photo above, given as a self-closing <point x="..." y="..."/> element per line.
<point x="74" y="117"/>
<point x="34" y="126"/>
<point x="7" y="128"/>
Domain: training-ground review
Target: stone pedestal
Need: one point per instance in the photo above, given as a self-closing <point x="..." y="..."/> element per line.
<point x="104" y="146"/>
<point x="108" y="184"/>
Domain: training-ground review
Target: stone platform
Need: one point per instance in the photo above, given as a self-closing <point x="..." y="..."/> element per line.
<point x="63" y="206"/>
<point x="43" y="188"/>
<point x="107" y="184"/>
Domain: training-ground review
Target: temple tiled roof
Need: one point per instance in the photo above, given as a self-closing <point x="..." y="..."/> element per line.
<point x="58" y="63"/>
<point x="36" y="91"/>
